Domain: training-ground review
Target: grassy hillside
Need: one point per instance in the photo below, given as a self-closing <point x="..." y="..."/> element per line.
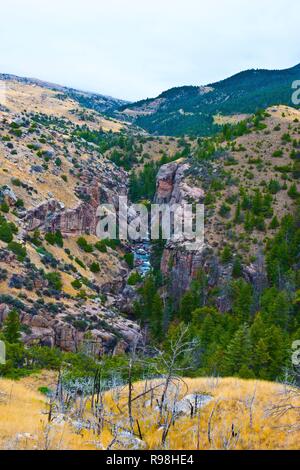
<point x="239" y="416"/>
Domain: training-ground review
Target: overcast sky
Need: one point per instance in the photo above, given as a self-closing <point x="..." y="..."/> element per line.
<point x="135" y="49"/>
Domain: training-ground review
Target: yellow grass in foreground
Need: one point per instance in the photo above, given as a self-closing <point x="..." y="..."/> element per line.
<point x="23" y="418"/>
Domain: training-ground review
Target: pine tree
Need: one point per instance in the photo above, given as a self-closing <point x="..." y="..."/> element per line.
<point x="6" y="234"/>
<point x="293" y="192"/>
<point x="148" y="292"/>
<point x="257" y="203"/>
<point x="157" y="316"/>
<point x="226" y="255"/>
<point x="237" y="217"/>
<point x="261" y="358"/>
<point x="237" y="268"/>
<point x="274" y="223"/>
<point x="242" y="299"/>
<point x="249" y="222"/>
<point x="11" y="329"/>
<point x="239" y="351"/>
<point x="187" y="305"/>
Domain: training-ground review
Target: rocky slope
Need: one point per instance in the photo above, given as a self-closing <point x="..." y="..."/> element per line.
<point x="51" y="182"/>
<point x="99" y="103"/>
<point x="262" y="160"/>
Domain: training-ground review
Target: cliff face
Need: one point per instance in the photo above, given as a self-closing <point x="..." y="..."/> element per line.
<point x="181" y="266"/>
<point x="104" y="188"/>
<point x="178" y="264"/>
<point x="172" y="188"/>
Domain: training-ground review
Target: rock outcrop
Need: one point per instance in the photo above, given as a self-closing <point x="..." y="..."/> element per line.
<point x="109" y="183"/>
<point x="172" y="188"/>
<point x="105" y="330"/>
<point x="181" y="265"/>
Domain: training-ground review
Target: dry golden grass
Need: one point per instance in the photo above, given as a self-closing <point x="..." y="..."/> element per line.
<point x="20" y="96"/>
<point x="23" y="418"/>
<point x="234" y="119"/>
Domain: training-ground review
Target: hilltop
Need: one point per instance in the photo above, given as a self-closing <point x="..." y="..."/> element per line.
<point x="236" y="414"/>
<point x="95" y="101"/>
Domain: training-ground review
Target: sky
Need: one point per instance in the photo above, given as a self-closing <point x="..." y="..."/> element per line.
<point x="134" y="49"/>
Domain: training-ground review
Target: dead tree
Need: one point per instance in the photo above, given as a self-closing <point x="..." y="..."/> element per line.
<point x="250" y="405"/>
<point x="179" y="347"/>
<point x="209" y="424"/>
<point x="289" y="403"/>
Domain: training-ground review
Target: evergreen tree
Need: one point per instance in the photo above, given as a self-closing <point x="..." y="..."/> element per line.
<point x="242" y="299"/>
<point x="11" y="329"/>
<point x="226" y="255"/>
<point x="156" y="317"/>
<point x="276" y="307"/>
<point x="237" y="216"/>
<point x="237" y="268"/>
<point x="239" y="351"/>
<point x="274" y="223"/>
<point x="188" y="304"/>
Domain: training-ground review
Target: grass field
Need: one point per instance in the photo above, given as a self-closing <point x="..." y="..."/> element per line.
<point x="238" y="417"/>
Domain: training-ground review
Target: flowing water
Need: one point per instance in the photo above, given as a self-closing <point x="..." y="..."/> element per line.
<point x="142" y="251"/>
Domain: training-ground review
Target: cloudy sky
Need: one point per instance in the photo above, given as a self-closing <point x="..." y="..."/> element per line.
<point x="135" y="49"/>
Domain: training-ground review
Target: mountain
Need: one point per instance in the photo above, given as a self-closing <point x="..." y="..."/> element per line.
<point x="194" y="109"/>
<point x="77" y="304"/>
<point x="95" y="101"/>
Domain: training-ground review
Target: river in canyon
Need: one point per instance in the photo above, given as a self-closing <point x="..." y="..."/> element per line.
<point x="142" y="252"/>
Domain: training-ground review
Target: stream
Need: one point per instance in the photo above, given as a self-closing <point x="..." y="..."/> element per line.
<point x="142" y="251"/>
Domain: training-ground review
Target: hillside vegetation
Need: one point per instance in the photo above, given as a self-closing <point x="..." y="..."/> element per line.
<point x="190" y="110"/>
<point x="240" y="415"/>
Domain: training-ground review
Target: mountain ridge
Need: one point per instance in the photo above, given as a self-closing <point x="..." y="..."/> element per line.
<point x="97" y="101"/>
<point x="191" y="109"/>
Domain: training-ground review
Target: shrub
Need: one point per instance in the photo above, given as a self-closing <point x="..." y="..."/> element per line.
<point x="55" y="238"/>
<point x="129" y="258"/>
<point x="134" y="278"/>
<point x="277" y="153"/>
<point x="81" y="263"/>
<point x="76" y="284"/>
<point x="6" y="234"/>
<point x="94" y="267"/>
<point x="4" y="207"/>
<point x="54" y="280"/>
<point x="101" y="246"/>
<point x="84" y="245"/>
<point x="18" y="249"/>
<point x="286" y="138"/>
<point x="16" y="182"/>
